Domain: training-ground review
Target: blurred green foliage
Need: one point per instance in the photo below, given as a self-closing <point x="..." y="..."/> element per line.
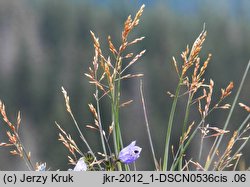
<point x="46" y="44"/>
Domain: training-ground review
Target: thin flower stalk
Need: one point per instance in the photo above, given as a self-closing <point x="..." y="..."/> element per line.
<point x="190" y="98"/>
<point x="181" y="151"/>
<point x="147" y="125"/>
<point x="219" y="139"/>
<point x="170" y="124"/>
<point x="75" y="122"/>
<point x="189" y="59"/>
<point x="112" y="72"/>
<point x="15" y="140"/>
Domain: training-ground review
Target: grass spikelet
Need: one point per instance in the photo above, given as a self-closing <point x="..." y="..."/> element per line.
<point x="14" y="138"/>
<point x="227" y="91"/>
<point x="247" y="108"/>
<point x="69" y="143"/>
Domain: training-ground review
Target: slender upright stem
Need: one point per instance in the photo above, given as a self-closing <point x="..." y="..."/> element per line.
<point x="177" y="158"/>
<point x="184" y="127"/>
<point x="100" y="123"/>
<point x="201" y="146"/>
<point x="170" y="124"/>
<point x="25" y="156"/>
<point x="81" y="135"/>
<point x="147" y="125"/>
<point x="244" y="123"/>
<point x="229" y="116"/>
<point x="114" y="129"/>
<point x="115" y="96"/>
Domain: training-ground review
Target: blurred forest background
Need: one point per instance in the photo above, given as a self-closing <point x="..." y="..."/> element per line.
<point x="46" y="44"/>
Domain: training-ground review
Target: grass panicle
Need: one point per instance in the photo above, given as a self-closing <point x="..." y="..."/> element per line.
<point x="106" y="74"/>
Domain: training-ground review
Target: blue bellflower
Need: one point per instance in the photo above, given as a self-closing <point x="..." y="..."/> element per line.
<point x="41" y="167"/>
<point x="130" y="153"/>
<point x="80" y="165"/>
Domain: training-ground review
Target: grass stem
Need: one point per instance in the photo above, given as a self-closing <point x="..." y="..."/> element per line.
<point x="147" y="124"/>
<point x="219" y="139"/>
<point x="170" y="124"/>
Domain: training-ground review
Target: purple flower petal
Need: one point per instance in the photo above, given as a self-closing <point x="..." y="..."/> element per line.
<point x="130" y="153"/>
<point x="41" y="167"/>
<point x="81" y="165"/>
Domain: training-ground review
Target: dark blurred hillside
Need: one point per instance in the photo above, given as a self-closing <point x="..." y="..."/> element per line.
<point x="46" y="44"/>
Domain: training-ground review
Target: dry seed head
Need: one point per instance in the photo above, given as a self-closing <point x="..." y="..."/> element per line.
<point x="91" y="127"/>
<point x="67" y="141"/>
<point x="3" y="144"/>
<point x="189" y="60"/>
<point x="72" y="161"/>
<point x="109" y="62"/>
<point x="129" y="55"/>
<point x="204" y="130"/>
<point x="170" y="94"/>
<point x="232" y="141"/>
<point x="247" y="108"/>
<point x="172" y="148"/>
<point x="184" y="56"/>
<point x="108" y="74"/>
<point x="111" y="127"/>
<point x="204" y="67"/>
<point x="217" y="131"/>
<point x="200" y="97"/>
<point x="126" y="103"/>
<point x="29" y="155"/>
<point x="66" y="97"/>
<point x="185" y="136"/>
<point x="227" y="92"/>
<point x="196" y="48"/>
<point x="96" y="123"/>
<point x="176" y="66"/>
<point x="5" y="118"/>
<point x="199" y="107"/>
<point x="95" y="63"/>
<point x="59" y="127"/>
<point x="129" y="76"/>
<point x="14" y="152"/>
<point x="93" y="110"/>
<point x="209" y="97"/>
<point x="96" y="43"/>
<point x="136" y="40"/>
<point x="12" y="138"/>
<point x="185" y="65"/>
<point x="89" y="76"/>
<point x="196" y="68"/>
<point x="128" y="26"/>
<point x="138" y="15"/>
<point x="225" y="106"/>
<point x="95" y="82"/>
<point x="137" y="57"/>
<point x="134" y="60"/>
<point x="198" y="166"/>
<point x="230" y="144"/>
<point x="18" y="120"/>
<point x="111" y="46"/>
<point x="119" y="66"/>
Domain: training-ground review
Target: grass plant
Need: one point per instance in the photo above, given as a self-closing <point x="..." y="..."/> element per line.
<point x="107" y="73"/>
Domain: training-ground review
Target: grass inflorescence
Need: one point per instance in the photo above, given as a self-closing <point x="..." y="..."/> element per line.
<point x="106" y="73"/>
